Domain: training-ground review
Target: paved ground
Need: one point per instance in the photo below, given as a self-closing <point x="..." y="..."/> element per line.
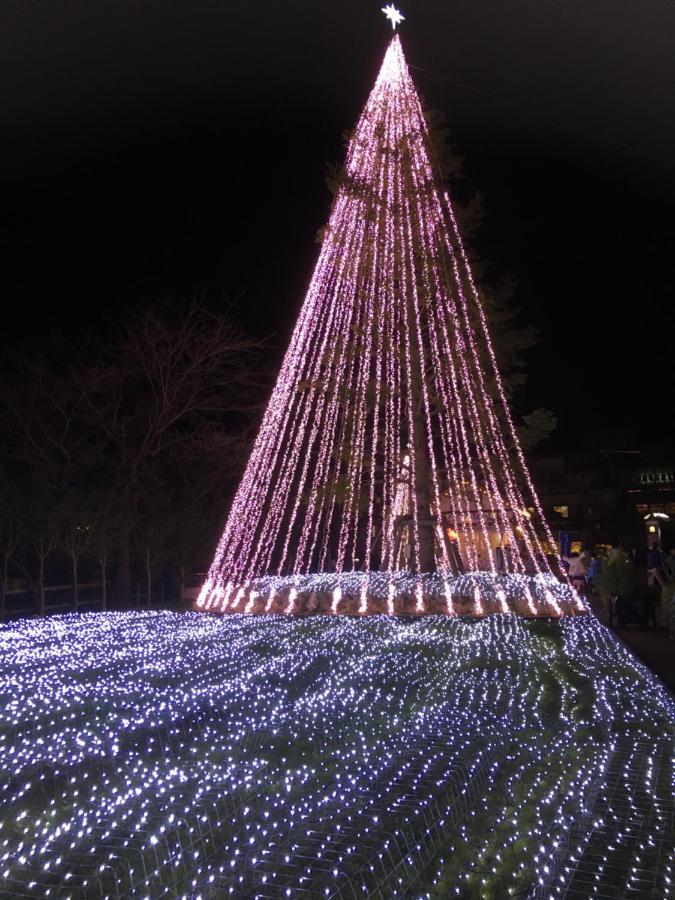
<point x="655" y="648"/>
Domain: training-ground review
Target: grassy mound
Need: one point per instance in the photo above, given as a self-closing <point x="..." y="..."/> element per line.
<point x="273" y="756"/>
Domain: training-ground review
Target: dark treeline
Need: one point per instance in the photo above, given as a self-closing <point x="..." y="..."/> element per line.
<point x="117" y="457"/>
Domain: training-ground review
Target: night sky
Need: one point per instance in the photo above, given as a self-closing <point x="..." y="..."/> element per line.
<point x="155" y="150"/>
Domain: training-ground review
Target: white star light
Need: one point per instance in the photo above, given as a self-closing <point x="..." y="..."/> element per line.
<point x="393" y="15"/>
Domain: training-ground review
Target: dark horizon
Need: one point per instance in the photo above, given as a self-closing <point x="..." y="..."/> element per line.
<point x="154" y="153"/>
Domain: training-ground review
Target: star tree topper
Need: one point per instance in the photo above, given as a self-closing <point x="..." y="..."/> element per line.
<point x="393" y="15"/>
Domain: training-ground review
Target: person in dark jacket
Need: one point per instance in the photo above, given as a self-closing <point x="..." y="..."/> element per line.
<point x="655" y="571"/>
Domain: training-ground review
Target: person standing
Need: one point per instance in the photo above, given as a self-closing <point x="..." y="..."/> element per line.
<point x="668" y="597"/>
<point x="594" y="566"/>
<point x="655" y="571"/>
<point x="578" y="569"/>
<point x="669" y="565"/>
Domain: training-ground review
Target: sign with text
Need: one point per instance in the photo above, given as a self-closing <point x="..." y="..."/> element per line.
<point x="664" y="477"/>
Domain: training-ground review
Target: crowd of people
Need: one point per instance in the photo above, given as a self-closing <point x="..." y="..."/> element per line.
<point x="626" y="585"/>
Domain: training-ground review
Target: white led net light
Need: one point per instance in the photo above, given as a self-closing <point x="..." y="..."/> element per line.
<point x="158" y="754"/>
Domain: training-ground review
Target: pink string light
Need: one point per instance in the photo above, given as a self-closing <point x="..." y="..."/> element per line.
<point x="392" y="333"/>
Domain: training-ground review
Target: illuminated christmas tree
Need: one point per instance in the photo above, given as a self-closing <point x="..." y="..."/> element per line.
<point x="387" y="475"/>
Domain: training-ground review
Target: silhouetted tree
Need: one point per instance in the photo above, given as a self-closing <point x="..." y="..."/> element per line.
<point x="96" y="437"/>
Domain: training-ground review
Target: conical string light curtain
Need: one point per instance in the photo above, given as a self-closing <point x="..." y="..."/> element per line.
<point x="387" y="474"/>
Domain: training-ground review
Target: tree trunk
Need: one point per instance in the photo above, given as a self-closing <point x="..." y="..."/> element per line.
<point x="421" y="495"/>
<point x="421" y="486"/>
<point x="3" y="586"/>
<point x="76" y="587"/>
<point x="102" y="562"/>
<point x="42" y="604"/>
<point x="123" y="581"/>
<point x="148" y="577"/>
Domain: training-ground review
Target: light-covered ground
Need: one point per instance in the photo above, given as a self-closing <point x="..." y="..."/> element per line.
<point x="161" y="754"/>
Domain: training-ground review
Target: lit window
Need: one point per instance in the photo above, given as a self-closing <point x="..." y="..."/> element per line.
<point x="563" y="511"/>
